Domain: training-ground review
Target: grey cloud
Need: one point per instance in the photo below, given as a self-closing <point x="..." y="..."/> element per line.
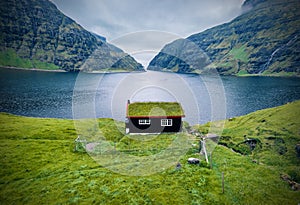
<point x="115" y="19"/>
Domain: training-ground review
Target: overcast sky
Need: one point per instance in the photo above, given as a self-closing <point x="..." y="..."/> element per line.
<point x="166" y="19"/>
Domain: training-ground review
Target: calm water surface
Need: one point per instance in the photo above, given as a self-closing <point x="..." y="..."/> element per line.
<point x="68" y="95"/>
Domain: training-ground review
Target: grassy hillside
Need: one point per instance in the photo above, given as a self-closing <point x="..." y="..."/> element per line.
<point x="262" y="41"/>
<point x="39" y="165"/>
<point x="35" y="34"/>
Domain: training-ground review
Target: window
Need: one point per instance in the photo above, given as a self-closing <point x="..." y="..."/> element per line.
<point x="166" y="122"/>
<point x="144" y="122"/>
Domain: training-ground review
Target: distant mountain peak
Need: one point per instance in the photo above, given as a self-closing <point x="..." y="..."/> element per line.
<point x="264" y="40"/>
<point x="101" y="38"/>
<point x="35" y="34"/>
<point x="249" y="4"/>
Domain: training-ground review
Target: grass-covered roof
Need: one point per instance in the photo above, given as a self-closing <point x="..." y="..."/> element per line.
<point x="157" y="109"/>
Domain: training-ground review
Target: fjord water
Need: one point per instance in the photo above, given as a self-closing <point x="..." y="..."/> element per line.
<point x="52" y="94"/>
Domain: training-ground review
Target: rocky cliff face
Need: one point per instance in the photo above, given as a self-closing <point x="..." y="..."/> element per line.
<point x="34" y="33"/>
<point x="264" y="40"/>
<point x="171" y="58"/>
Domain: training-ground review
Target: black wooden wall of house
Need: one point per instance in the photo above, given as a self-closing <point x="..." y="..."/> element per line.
<point x="154" y="127"/>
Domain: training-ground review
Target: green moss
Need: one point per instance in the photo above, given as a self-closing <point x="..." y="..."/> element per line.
<point x="155" y="109"/>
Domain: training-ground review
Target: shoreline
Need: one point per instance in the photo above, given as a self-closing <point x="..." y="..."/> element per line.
<point x="64" y="71"/>
<point x="118" y="72"/>
<point x="33" y="69"/>
<point x="232" y="75"/>
<point x="110" y="72"/>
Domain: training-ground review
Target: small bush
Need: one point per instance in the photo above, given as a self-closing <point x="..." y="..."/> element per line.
<point x="295" y="175"/>
<point x="242" y="149"/>
<point x="79" y="147"/>
<point x="204" y="164"/>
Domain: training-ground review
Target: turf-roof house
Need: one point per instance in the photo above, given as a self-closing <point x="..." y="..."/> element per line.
<point x="153" y="117"/>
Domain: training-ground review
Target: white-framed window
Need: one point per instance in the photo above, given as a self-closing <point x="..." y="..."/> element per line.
<point x="144" y="122"/>
<point x="166" y="122"/>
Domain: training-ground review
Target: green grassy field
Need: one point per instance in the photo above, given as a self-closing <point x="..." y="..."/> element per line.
<point x="10" y="58"/>
<point x="39" y="165"/>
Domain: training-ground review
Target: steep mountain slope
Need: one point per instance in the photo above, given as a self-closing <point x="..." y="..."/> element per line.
<point x="265" y="39"/>
<point x="34" y="33"/>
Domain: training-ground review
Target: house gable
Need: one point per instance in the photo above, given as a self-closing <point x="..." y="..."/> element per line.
<point x="154" y="117"/>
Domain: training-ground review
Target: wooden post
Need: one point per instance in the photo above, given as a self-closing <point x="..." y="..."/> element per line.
<point x="223" y="182"/>
<point x="204" y="149"/>
<point x="210" y="159"/>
